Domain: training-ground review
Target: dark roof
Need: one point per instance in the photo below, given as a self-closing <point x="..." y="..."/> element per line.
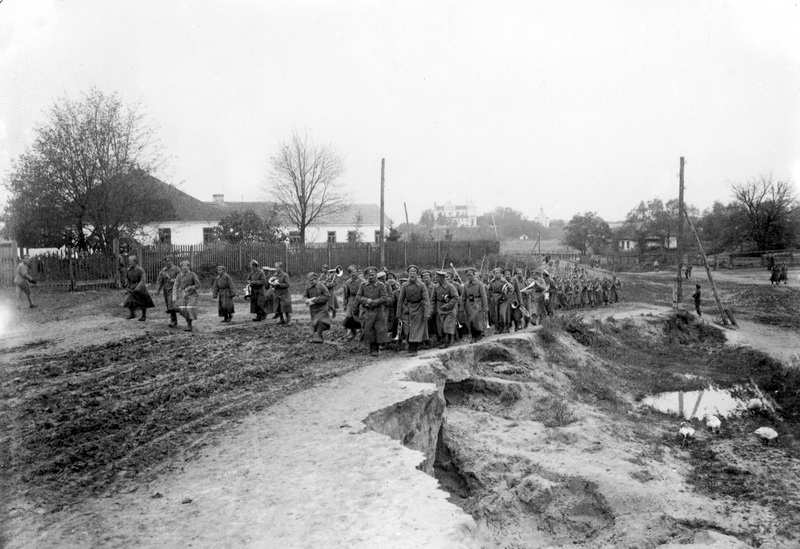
<point x="188" y="208"/>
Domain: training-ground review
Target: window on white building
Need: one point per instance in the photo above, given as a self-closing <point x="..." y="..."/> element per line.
<point x="331" y="237"/>
<point x="377" y="236"/>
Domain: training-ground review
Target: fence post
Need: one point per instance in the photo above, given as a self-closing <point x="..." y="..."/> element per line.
<point x="117" y="279"/>
<point x="286" y="256"/>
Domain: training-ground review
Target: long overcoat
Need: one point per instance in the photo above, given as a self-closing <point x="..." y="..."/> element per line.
<point x="138" y="297"/>
<point x="166" y="279"/>
<point x="414" y="309"/>
<point x="371" y="298"/>
<point x="224" y="291"/>
<point x="475" y="305"/>
<point x="320" y="308"/>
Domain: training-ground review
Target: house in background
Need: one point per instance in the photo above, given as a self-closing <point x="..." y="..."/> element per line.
<point x="460" y="216"/>
<point x="626" y="236"/>
<point x="196" y="222"/>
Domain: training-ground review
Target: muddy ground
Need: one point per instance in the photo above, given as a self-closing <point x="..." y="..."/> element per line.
<point x="93" y="404"/>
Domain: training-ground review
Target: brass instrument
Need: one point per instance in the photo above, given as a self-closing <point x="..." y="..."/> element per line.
<point x="335" y="273"/>
<point x="273" y="281"/>
<point x="517" y="305"/>
<point x="247" y="291"/>
<point x="455" y="273"/>
<point x="399" y="335"/>
<point x="507" y="288"/>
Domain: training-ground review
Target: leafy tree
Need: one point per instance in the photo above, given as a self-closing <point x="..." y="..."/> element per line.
<point x="85" y="179"/>
<point x="587" y="230"/>
<point x="770" y="208"/>
<point x="248" y="226"/>
<point x="722" y="227"/>
<point x="305" y="181"/>
<point x="395" y="234"/>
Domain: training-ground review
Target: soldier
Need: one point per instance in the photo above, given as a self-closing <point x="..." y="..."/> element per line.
<point x="475" y="305"/>
<point x="22" y="280"/>
<point x="185" y="292"/>
<point x="414" y="309"/>
<point x="283" y="299"/>
<point x="138" y="297"/>
<point x="517" y="316"/>
<point x="371" y="298"/>
<point x="427" y="279"/>
<point x="446" y="309"/>
<point x="500" y="290"/>
<point x="222" y="289"/>
<point x="352" y="321"/>
<point x="331" y="281"/>
<point x="257" y="281"/>
<point x="317" y="297"/>
<point x="166" y="279"/>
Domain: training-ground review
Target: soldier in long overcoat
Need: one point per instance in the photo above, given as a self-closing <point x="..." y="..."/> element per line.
<point x="186" y="293"/>
<point x="500" y="290"/>
<point x="166" y="279"/>
<point x="317" y="297"/>
<point x="258" y="282"/>
<point x="371" y="298"/>
<point x="222" y="289"/>
<point x="414" y="309"/>
<point x="138" y="297"/>
<point x="427" y="279"/>
<point x="475" y="305"/>
<point x="283" y="299"/>
<point x="352" y="322"/>
<point x="446" y="309"/>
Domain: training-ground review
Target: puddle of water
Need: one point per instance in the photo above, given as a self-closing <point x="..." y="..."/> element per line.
<point x="696" y="404"/>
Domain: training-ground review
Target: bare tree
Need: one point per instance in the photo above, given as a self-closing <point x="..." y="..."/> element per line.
<point x="86" y="178"/>
<point x="770" y="207"/>
<point x="305" y="181"/>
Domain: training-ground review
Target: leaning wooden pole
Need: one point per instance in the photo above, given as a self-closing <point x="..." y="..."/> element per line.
<point x="708" y="271"/>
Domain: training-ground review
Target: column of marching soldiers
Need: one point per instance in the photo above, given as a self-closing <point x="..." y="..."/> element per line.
<point x="419" y="308"/>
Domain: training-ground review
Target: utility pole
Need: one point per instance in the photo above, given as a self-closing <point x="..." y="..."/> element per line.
<point x="679" y="293"/>
<point x="380" y="240"/>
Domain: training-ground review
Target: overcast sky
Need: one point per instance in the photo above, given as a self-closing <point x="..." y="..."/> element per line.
<point x="569" y="106"/>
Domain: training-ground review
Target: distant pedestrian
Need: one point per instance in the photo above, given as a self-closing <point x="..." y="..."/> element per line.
<point x="138" y="297"/>
<point x="655" y="264"/>
<point x="223" y="290"/>
<point x="688" y="272"/>
<point x="696" y="297"/>
<point x="22" y="280"/>
<point x="185" y="293"/>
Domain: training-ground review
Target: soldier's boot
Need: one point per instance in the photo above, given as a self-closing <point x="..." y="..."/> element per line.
<point x="288" y="318"/>
<point x="189" y="326"/>
<point x="373" y="349"/>
<point x="173" y="319"/>
<point x="281" y="321"/>
<point x="130" y="316"/>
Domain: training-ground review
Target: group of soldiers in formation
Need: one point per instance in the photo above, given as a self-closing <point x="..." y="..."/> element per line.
<point x="421" y="307"/>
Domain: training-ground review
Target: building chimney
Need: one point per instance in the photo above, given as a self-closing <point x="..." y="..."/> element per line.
<point x="219" y="199"/>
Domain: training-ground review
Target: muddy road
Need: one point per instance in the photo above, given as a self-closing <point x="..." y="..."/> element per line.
<point x="96" y="408"/>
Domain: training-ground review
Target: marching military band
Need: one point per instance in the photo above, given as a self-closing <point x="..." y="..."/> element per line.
<point x="420" y="308"/>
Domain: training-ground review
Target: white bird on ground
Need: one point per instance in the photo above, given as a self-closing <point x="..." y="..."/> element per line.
<point x="687" y="432"/>
<point x="755" y="405"/>
<point x="766" y="434"/>
<point x="713" y="423"/>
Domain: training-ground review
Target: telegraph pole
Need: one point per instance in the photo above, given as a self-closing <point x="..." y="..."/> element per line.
<point x="380" y="241"/>
<point x="679" y="293"/>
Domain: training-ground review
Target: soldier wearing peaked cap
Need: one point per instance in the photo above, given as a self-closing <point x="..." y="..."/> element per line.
<point x="372" y="298"/>
<point x="414" y="309"/>
<point x="317" y="297"/>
